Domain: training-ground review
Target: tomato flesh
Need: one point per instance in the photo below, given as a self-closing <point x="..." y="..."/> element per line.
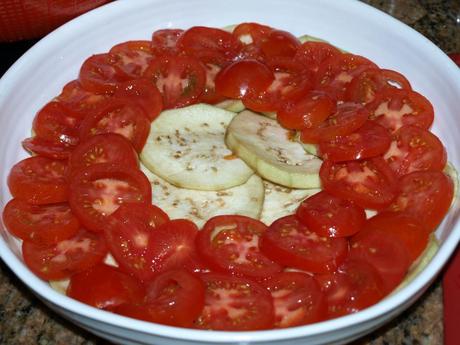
<point x="331" y="216"/>
<point x="235" y="304"/>
<point x="109" y="287"/>
<point x="40" y="223"/>
<point x="130" y="59"/>
<point x="39" y="180"/>
<point x="292" y="244"/>
<point x="63" y="259"/>
<point x="297" y="299"/>
<point x="231" y="244"/>
<point x="174" y="298"/>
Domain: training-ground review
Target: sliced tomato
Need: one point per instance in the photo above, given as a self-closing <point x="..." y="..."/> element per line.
<point x="330" y="216"/>
<point x="368" y="183"/>
<point x="426" y="195"/>
<point x="308" y="112"/>
<point x="174" y="298"/>
<point x="385" y="251"/>
<point x="130" y="59"/>
<point x="415" y="149"/>
<point x="98" y="190"/>
<point x="210" y="95"/>
<point x="65" y="258"/>
<point x="39" y="180"/>
<point x="297" y="299"/>
<point x="165" y="41"/>
<point x="312" y="54"/>
<point x="235" y="304"/>
<point x="209" y="45"/>
<point x="146" y="253"/>
<point x="356" y="285"/>
<point x="292" y="244"/>
<point x="231" y="244"/>
<point x="143" y="92"/>
<point x="251" y="33"/>
<point x="46" y="148"/>
<point x="40" y="223"/>
<point x="180" y="79"/>
<point x="335" y="73"/>
<point x="120" y="117"/>
<point x="370" y="140"/>
<point x="75" y="98"/>
<point x="407" y="229"/>
<point x="347" y="119"/>
<point x="104" y="148"/>
<point x="99" y="75"/>
<point x="57" y="124"/>
<point x="105" y="287"/>
<point x="393" y="108"/>
<point x="279" y="43"/>
<point x="363" y="87"/>
<point x="236" y="79"/>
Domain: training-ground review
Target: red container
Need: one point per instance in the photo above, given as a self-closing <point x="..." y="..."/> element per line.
<point x="27" y="19"/>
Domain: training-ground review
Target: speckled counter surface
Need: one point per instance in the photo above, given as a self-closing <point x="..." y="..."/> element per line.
<point x="25" y="320"/>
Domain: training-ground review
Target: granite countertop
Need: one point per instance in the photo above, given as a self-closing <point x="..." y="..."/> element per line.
<point x="25" y="320"/>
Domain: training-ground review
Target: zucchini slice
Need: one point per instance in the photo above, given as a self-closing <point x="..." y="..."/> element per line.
<point x="186" y="147"/>
<point x="267" y="147"/>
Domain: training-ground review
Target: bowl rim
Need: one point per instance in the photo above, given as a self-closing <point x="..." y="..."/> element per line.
<point x="390" y="303"/>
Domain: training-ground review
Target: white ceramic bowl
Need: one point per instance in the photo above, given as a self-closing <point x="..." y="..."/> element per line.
<point x="41" y="72"/>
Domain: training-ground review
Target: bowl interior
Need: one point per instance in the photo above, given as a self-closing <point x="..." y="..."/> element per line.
<point x="41" y="73"/>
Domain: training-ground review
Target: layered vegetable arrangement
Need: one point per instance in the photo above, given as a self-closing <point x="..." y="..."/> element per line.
<point x="260" y="156"/>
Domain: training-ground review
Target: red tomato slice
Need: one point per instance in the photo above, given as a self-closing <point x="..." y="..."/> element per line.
<point x="165" y="41"/>
<point x="120" y="117"/>
<point x="330" y="216"/>
<point x="308" y="112"/>
<point x="104" y="148"/>
<point x="210" y="95"/>
<point x="385" y="251"/>
<point x="40" y="223"/>
<point x="109" y="287"/>
<point x="78" y="100"/>
<point x="57" y="124"/>
<point x="347" y="119"/>
<point x="143" y="92"/>
<point x="39" y="180"/>
<point x="409" y="231"/>
<point x="363" y="87"/>
<point x="251" y="33"/>
<point x="130" y="59"/>
<point x="231" y="244"/>
<point x="335" y="73"/>
<point x="415" y="149"/>
<point x="174" y="298"/>
<point x="297" y="299"/>
<point x="279" y="43"/>
<point x="180" y="79"/>
<point x="354" y="286"/>
<point x="65" y="258"/>
<point x="368" y="141"/>
<point x="99" y="75"/>
<point x="45" y="148"/>
<point x="426" y="195"/>
<point x="393" y="108"/>
<point x="98" y="190"/>
<point x="235" y="304"/>
<point x="240" y="77"/>
<point x="312" y="54"/>
<point x="292" y="244"/>
<point x="368" y="183"/>
<point x="209" y="45"/>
